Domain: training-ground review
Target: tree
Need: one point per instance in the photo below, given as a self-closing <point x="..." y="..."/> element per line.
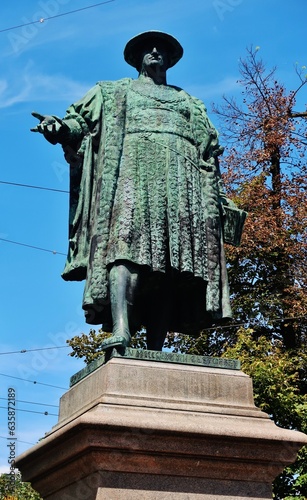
<point x="266" y="173"/>
<point x="15" y="489"/>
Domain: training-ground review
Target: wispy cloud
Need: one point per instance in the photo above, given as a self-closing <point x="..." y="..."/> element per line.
<point x="33" y="86"/>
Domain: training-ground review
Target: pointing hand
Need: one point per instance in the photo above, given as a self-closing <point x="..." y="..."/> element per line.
<point x="50" y="126"/>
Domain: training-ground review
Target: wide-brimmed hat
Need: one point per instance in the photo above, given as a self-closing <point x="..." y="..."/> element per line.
<point x="136" y="45"/>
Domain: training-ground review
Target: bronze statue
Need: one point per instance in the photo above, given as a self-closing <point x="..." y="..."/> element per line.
<point x="148" y="214"/>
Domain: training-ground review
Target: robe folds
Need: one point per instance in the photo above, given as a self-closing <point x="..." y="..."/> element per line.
<point x="145" y="187"/>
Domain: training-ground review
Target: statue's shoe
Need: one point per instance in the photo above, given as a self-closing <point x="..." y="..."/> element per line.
<point x="115" y="341"/>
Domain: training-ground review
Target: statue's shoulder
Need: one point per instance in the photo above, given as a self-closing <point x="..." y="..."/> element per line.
<point x="198" y="103"/>
<point x="111" y="85"/>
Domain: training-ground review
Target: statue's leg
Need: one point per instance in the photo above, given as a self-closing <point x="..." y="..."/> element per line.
<point x="119" y="283"/>
<point x="123" y="281"/>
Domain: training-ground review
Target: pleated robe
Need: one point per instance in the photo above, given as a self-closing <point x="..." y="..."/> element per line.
<point x="145" y="188"/>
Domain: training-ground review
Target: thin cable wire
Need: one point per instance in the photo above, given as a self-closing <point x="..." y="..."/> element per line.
<point x="33" y="381"/>
<point x="54" y="252"/>
<point x="32" y="402"/>
<point x="17" y="440"/>
<point x="33" y="187"/>
<point x="23" y="351"/>
<point x="31" y="411"/>
<point x="217" y="327"/>
<point x="250" y="323"/>
<point x="41" y="20"/>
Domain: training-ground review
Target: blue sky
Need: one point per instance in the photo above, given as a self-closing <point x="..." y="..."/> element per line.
<point x="45" y="67"/>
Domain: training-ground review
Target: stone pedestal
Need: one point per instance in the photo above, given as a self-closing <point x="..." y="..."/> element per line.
<point x="140" y="429"/>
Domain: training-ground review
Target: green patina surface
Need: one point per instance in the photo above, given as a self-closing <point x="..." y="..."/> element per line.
<point x="146" y="188"/>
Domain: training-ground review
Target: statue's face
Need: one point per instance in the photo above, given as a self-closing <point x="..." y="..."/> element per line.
<point x="153" y="57"/>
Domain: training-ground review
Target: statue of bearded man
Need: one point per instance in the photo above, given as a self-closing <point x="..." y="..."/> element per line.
<point x="148" y="214"/>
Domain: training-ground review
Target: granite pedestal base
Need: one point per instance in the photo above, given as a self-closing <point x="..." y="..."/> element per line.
<point x="138" y="429"/>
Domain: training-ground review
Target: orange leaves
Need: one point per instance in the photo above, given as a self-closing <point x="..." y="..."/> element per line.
<point x="265" y="172"/>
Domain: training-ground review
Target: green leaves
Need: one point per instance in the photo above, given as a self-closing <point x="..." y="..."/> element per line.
<point x="16" y="489"/>
<point x="276" y="375"/>
<point x="89" y="346"/>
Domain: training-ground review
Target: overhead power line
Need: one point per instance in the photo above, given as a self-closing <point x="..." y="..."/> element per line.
<point x="34" y="187"/>
<point x="43" y="19"/>
<point x="32" y="246"/>
<point x="23" y="351"/>
<point x="33" y="381"/>
<point x="217" y="327"/>
<point x="255" y="323"/>
<point x="32" y="403"/>
<point x="17" y="440"/>
<point x="32" y="411"/>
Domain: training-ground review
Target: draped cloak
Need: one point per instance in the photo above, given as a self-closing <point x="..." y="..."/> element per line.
<point x="145" y="187"/>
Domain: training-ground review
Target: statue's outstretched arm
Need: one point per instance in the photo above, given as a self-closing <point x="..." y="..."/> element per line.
<point x="82" y="118"/>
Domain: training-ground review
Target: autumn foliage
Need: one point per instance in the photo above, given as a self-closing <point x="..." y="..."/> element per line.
<point x="265" y="170"/>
